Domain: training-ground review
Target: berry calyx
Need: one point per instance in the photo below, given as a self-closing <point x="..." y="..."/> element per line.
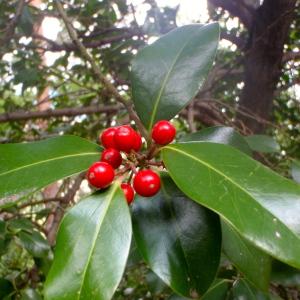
<point x="163" y="132"/>
<point x="137" y="142"/>
<point x="124" y="138"/>
<point x="128" y="192"/>
<point x="107" y="137"/>
<point x="112" y="157"/>
<point x="100" y="174"/>
<point x="146" y="183"/>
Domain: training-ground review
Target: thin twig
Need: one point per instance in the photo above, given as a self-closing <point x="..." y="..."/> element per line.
<point x="190" y="117"/>
<point x="60" y="209"/>
<point x="10" y="29"/>
<point x="44" y="201"/>
<point x="68" y="112"/>
<point x="107" y="84"/>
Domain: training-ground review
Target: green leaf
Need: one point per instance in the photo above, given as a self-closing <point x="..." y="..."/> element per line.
<point x="17" y="225"/>
<point x="30" y="166"/>
<point x="285" y="275"/>
<point x="295" y="170"/>
<point x="220" y="135"/>
<point x="92" y="248"/>
<point x="134" y="257"/>
<point x="252" y="262"/>
<point x="42" y="213"/>
<point x="26" y="21"/>
<point x="167" y="74"/>
<point x="44" y="263"/>
<point x="178" y="238"/>
<point x="218" y="291"/>
<point x="243" y="290"/>
<point x="2" y="227"/>
<point x="5" y="288"/>
<point x="29" y="77"/>
<point x="35" y="243"/>
<point x="155" y="284"/>
<point x="262" y="143"/>
<point x="3" y="238"/>
<point x="261" y="205"/>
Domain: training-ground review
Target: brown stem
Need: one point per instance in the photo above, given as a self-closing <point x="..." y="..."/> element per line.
<point x="107" y="84"/>
<point x="130" y="177"/>
<point x="10" y="29"/>
<point x="46" y="114"/>
<point x="155" y="163"/>
<point x="123" y="171"/>
<point x="60" y="210"/>
<point x="44" y="201"/>
<point x="152" y="151"/>
<point x="133" y="167"/>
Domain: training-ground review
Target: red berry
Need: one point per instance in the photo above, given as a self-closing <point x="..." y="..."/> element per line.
<point x="100" y="174"/>
<point x="107" y="137"/>
<point x="124" y="138"/>
<point x="137" y="142"/>
<point x="112" y="157"/>
<point x="146" y="183"/>
<point x="163" y="132"/>
<point x="128" y="192"/>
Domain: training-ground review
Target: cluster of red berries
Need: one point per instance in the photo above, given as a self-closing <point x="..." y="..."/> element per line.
<point x="128" y="141"/>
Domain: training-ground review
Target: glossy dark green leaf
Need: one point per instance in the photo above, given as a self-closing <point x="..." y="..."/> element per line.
<point x="178" y="238"/>
<point x="35" y="243"/>
<point x="134" y="257"/>
<point x="220" y="135"/>
<point x="295" y="170"/>
<point x="30" y="166"/>
<point x="155" y="284"/>
<point x="262" y="143"/>
<point x="218" y="291"/>
<point x="285" y="275"/>
<point x="241" y="289"/>
<point x="261" y="205"/>
<point x="167" y="74"/>
<point x="252" y="262"/>
<point x="92" y="248"/>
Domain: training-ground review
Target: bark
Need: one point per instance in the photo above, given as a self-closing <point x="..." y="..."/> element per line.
<point x="11" y="26"/>
<point x="68" y="112"/>
<point x="236" y="8"/>
<point x="263" y="60"/>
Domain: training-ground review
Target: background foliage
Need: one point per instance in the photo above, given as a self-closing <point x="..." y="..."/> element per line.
<point x="41" y="99"/>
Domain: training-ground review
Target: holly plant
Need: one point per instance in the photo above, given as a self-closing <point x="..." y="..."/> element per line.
<point x="190" y="202"/>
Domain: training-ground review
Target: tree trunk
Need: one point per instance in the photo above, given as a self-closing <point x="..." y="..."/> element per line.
<point x="263" y="61"/>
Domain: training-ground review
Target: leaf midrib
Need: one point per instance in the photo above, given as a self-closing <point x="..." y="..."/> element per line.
<point x="98" y="228"/>
<point x="168" y="74"/>
<point x="233" y="182"/>
<point x="48" y="160"/>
